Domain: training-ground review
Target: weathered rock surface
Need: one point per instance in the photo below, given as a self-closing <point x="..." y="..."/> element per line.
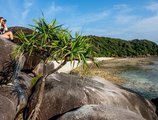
<point x="31" y="61"/>
<point x="8" y="103"/>
<point x="67" y="95"/>
<point x="6" y="48"/>
<point x="100" y="112"/>
<point x="14" y="98"/>
<point x="17" y="29"/>
<point x="11" y="96"/>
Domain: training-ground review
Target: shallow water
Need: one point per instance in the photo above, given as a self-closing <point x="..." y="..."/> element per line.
<point x="144" y="80"/>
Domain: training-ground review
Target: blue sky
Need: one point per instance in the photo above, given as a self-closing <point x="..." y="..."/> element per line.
<point x="126" y="19"/>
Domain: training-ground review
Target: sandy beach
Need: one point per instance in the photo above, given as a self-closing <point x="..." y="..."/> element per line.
<point x="70" y="66"/>
<point x="109" y="67"/>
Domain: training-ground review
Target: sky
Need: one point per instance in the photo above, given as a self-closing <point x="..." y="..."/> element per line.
<point x="125" y="19"/>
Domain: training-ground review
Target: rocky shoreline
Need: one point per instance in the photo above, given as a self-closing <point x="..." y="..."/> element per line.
<point x="67" y="96"/>
<point x="110" y="69"/>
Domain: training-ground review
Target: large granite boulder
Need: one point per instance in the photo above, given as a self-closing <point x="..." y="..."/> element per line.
<point x="13" y="98"/>
<point x="6" y="48"/>
<point x="99" y="112"/>
<point x="31" y="61"/>
<point x="16" y="29"/>
<point x="68" y="96"/>
<point x="8" y="103"/>
<point x="12" y="95"/>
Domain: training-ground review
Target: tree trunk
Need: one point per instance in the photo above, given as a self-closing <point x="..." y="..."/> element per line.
<point x="35" y="112"/>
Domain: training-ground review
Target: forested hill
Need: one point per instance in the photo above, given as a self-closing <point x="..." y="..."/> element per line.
<point x="113" y="47"/>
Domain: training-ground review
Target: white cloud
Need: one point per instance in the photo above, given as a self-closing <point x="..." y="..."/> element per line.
<point x="28" y="3"/>
<point x="147" y="24"/>
<point x="27" y="7"/>
<point x="132" y="26"/>
<point x="126" y="19"/>
<point x="96" y="31"/>
<point x="122" y="8"/>
<point x="94" y="17"/>
<point x="19" y="12"/>
<point x="121" y="21"/>
<point x="123" y="14"/>
<point x="145" y="28"/>
<point x="53" y="9"/>
<point x="153" y="6"/>
<point x="79" y="22"/>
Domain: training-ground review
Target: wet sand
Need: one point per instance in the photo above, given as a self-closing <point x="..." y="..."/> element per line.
<point x="110" y="69"/>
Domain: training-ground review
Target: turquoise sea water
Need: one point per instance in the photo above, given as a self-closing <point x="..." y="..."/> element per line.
<point x="144" y="80"/>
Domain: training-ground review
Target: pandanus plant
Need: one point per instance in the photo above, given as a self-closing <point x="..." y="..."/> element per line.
<point x="50" y="41"/>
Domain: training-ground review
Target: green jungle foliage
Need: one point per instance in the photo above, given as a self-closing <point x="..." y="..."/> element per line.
<point x="113" y="47"/>
<point x="50" y="41"/>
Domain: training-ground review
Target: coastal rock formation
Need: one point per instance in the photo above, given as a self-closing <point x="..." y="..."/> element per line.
<point x="31" y="61"/>
<point x="100" y="112"/>
<point x="8" y="103"/>
<point x="67" y="95"/>
<point x="17" y="29"/>
<point x="15" y="92"/>
<point x="14" y="98"/>
<point x="6" y="48"/>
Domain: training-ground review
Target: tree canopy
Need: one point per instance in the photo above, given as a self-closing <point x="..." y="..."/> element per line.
<point x="113" y="47"/>
<point x="50" y="41"/>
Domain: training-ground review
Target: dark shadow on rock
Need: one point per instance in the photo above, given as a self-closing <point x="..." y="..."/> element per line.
<point x="58" y="116"/>
<point x="100" y="112"/>
<point x="7" y="71"/>
<point x="155" y="101"/>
